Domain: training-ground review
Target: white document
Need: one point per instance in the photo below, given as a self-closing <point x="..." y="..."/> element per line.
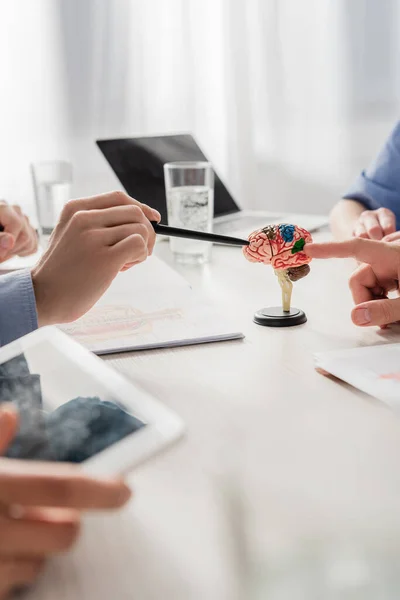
<point x="150" y="306"/>
<point x="374" y="370"/>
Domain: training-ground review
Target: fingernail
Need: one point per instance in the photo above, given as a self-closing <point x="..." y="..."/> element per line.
<point x="362" y="316"/>
<point x="6" y="242"/>
<point x="157" y="215"/>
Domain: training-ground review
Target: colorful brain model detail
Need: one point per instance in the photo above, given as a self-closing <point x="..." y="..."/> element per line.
<point x="280" y="246"/>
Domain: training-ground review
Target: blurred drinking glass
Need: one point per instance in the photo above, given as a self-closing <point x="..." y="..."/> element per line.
<point x="52" y="183"/>
<point x="189" y="188"/>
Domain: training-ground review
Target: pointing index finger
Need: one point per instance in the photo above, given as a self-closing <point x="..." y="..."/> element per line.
<point x="366" y="251"/>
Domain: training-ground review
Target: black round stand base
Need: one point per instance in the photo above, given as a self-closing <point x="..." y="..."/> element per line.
<point x="275" y="316"/>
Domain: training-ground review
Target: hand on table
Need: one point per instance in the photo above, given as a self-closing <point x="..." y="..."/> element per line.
<point x="18" y="236"/>
<point x="371" y="281"/>
<point x="40" y="508"/>
<point x="375" y="224"/>
<point x="95" y="239"/>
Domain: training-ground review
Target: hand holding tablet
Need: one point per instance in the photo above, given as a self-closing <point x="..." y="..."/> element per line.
<point x="41" y="508"/>
<point x="60" y="403"/>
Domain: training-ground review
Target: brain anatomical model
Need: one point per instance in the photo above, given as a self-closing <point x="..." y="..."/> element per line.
<point x="281" y="246"/>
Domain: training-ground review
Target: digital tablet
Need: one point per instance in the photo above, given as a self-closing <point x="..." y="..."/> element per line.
<point x="74" y="408"/>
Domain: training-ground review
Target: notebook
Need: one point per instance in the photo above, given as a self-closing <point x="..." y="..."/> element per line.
<point x="150" y="306"/>
<point x="374" y="370"/>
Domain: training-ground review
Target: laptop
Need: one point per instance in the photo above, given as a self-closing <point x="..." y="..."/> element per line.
<point x="138" y="163"/>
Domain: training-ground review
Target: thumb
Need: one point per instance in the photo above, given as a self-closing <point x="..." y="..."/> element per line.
<point x="377" y="312"/>
<point x="7" y="242"/>
<point x="8" y="426"/>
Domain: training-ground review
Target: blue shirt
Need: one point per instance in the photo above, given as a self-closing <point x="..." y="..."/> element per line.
<point x="379" y="185"/>
<point x="17" y="306"/>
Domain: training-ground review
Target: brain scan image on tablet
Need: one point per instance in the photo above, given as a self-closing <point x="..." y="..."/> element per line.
<point x="74" y="431"/>
<point x="73" y="407"/>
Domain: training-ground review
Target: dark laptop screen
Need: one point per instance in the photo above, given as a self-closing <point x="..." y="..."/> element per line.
<point x="138" y="164"/>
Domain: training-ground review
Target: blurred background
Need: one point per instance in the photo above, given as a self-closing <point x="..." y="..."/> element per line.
<point x="289" y="99"/>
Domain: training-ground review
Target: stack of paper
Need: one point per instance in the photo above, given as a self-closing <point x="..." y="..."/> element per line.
<point x="374" y="370"/>
<point x="150" y="306"/>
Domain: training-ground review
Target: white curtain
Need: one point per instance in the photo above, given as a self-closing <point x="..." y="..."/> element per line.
<point x="287" y="98"/>
<point x="270" y="88"/>
<point x="32" y="94"/>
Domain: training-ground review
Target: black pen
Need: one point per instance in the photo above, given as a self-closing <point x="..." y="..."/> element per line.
<point x="201" y="236"/>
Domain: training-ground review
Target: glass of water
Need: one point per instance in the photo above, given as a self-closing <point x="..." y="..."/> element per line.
<point x="52" y="183"/>
<point x="189" y="189"/>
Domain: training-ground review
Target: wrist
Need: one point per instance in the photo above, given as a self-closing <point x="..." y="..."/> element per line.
<point x="44" y="307"/>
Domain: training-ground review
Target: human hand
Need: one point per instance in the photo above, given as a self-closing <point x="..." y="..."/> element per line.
<point x="375" y="224"/>
<point x="40" y="507"/>
<point x="95" y="239"/>
<point x="372" y="281"/>
<point x="392" y="238"/>
<point x="17" y="236"/>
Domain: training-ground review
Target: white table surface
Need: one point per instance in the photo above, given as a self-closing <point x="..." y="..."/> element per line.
<point x="318" y="451"/>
